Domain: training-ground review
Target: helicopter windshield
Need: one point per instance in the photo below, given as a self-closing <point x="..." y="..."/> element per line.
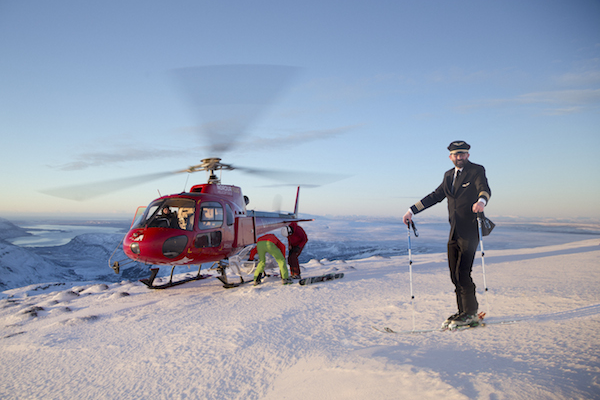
<point x="175" y="213"/>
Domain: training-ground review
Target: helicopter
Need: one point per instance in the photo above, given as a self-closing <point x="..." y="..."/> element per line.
<point x="209" y="222"/>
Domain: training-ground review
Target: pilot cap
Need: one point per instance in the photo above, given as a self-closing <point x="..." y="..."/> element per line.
<point x="459" y="146"/>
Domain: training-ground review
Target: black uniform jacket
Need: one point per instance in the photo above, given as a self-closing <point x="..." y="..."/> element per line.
<point x="470" y="186"/>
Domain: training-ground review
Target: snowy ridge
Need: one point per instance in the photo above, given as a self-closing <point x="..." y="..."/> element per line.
<point x="19" y="267"/>
<point x="8" y="230"/>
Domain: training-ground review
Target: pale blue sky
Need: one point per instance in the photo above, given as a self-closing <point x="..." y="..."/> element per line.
<point x="384" y="87"/>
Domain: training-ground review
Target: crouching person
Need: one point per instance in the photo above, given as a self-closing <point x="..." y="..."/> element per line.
<point x="269" y="244"/>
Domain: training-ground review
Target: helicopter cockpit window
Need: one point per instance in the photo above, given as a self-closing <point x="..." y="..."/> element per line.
<point x="211" y="215"/>
<point x="175" y="213"/>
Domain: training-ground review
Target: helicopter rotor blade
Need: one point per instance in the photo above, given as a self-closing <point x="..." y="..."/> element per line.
<point x="227" y="99"/>
<point x="91" y="190"/>
<point x="295" y="178"/>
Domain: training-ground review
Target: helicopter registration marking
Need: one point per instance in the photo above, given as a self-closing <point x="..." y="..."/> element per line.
<point x="224" y="189"/>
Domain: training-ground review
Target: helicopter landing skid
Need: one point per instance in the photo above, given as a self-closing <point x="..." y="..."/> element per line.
<point x="154" y="271"/>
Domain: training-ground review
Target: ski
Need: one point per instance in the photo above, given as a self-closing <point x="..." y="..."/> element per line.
<point x="450" y="328"/>
<point x="389" y="330"/>
<point x="417" y="331"/>
<point x="320" y="278"/>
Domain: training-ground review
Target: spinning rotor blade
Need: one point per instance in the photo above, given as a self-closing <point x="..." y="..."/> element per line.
<point x="227" y="99"/>
<point x="91" y="190"/>
<point x="295" y="178"/>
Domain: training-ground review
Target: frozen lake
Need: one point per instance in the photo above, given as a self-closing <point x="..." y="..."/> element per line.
<point x="48" y="235"/>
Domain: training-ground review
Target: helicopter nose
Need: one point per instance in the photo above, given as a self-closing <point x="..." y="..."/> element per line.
<point x="174" y="246"/>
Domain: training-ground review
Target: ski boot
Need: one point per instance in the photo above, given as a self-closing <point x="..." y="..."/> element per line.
<point x="448" y="320"/>
<point x="464" y="319"/>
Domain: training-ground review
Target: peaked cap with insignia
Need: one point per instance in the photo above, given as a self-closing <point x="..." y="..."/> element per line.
<point x="459" y="146"/>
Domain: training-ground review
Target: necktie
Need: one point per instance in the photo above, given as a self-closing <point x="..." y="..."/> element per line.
<point x="456" y="175"/>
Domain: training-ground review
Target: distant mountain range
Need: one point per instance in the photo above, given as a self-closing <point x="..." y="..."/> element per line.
<point x="85" y="258"/>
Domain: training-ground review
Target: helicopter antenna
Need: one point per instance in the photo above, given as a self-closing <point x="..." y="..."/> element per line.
<point x="187" y="178"/>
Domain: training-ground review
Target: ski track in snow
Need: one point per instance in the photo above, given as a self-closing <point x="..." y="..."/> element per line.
<point x="121" y="340"/>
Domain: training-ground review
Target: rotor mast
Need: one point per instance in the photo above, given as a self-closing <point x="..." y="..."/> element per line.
<point x="211" y="165"/>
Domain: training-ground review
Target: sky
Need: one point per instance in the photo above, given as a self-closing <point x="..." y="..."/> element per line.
<point x="381" y="88"/>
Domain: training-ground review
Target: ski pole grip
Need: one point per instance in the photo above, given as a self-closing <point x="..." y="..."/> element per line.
<point x="414" y="228"/>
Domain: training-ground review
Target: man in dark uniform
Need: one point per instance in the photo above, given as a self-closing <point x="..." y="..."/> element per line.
<point x="466" y="188"/>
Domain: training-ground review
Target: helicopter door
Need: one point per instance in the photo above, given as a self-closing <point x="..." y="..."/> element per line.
<point x="244" y="229"/>
<point x="210" y="217"/>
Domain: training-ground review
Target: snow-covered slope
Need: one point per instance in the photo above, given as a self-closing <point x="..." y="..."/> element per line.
<point x="19" y="267"/>
<point x="198" y="340"/>
<point x="87" y="256"/>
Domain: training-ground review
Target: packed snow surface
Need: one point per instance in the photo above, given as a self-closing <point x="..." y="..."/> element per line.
<point x="61" y="340"/>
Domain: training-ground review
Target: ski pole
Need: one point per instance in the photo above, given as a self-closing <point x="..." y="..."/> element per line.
<point x="487" y="304"/>
<point x="482" y="251"/>
<point x="412" y="296"/>
<point x="410" y="255"/>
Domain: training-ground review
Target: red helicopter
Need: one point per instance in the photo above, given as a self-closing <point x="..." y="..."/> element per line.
<point x="209" y="223"/>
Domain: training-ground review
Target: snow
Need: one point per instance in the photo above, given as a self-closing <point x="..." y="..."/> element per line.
<point x="61" y="339"/>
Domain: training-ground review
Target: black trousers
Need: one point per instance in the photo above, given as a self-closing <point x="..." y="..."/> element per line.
<point x="461" y="253"/>
<point x="293" y="254"/>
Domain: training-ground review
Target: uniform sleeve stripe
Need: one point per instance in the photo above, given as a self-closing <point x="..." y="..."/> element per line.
<point x="485" y="195"/>
<point x="419" y="206"/>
